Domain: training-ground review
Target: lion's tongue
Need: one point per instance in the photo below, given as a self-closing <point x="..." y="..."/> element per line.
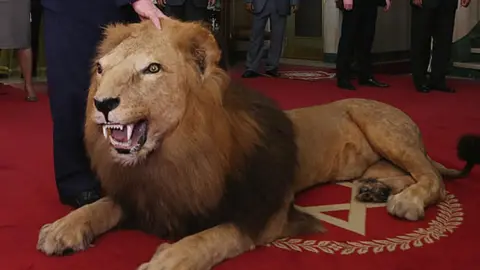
<point x="139" y="129"/>
<point x="120" y="135"/>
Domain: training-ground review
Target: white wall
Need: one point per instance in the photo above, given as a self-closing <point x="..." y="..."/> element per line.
<point x="466" y="19"/>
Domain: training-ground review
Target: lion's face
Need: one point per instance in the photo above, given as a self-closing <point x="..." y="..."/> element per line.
<point x="141" y="84"/>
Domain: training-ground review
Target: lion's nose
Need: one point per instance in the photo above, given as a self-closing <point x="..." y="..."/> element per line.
<point x="106" y="105"/>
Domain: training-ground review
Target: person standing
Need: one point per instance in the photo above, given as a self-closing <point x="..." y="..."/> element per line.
<point x="72" y="31"/>
<point x="358" y="32"/>
<point x="187" y="10"/>
<point x="432" y="19"/>
<point x="195" y="10"/>
<point x="15" y="32"/>
<point x="277" y="11"/>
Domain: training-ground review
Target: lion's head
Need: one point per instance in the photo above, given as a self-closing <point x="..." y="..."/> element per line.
<point x="141" y="82"/>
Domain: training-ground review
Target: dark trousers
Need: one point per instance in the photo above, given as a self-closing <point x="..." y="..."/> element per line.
<point x="70" y="46"/>
<point x="190" y="12"/>
<point x="427" y="24"/>
<point x="358" y="32"/>
<point x="187" y="12"/>
<point x="255" y="51"/>
<point x="36" y="10"/>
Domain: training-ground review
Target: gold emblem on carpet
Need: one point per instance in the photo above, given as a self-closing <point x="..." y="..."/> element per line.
<point x="308" y="75"/>
<point x="449" y="217"/>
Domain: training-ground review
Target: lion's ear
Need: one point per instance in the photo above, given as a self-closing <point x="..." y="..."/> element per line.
<point x="114" y="34"/>
<point x="199" y="43"/>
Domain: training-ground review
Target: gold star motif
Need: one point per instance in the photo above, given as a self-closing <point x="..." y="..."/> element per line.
<point x="357" y="214"/>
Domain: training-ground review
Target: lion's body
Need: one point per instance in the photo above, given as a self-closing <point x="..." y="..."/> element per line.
<point x="187" y="155"/>
<point x="339" y="141"/>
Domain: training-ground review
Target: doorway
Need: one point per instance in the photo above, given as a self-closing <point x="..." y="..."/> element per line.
<point x="304" y="32"/>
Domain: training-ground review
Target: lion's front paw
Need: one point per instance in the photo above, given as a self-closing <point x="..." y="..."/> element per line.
<point x="175" y="257"/>
<point x="64" y="236"/>
<point x="404" y="205"/>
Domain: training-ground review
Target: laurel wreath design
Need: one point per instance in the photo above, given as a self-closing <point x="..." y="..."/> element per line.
<point x="448" y="218"/>
<point x="307" y="75"/>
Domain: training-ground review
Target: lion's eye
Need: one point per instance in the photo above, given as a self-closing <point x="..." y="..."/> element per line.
<point x="153" y="68"/>
<point x="99" y="68"/>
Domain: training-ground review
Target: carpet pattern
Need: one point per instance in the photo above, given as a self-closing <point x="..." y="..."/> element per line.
<point x="360" y="236"/>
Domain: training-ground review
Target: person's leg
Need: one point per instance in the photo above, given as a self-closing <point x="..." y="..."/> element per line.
<point x="364" y="40"/>
<point x="255" y="51"/>
<point x="25" y="60"/>
<point x="278" y="23"/>
<point x="421" y="26"/>
<point x="444" y="21"/>
<point x="345" y="49"/>
<point x="70" y="45"/>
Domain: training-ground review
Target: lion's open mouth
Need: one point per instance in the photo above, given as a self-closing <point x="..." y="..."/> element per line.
<point x="126" y="139"/>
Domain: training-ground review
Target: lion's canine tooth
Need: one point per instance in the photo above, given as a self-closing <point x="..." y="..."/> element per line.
<point x="129" y="131"/>
<point x="105" y="131"/>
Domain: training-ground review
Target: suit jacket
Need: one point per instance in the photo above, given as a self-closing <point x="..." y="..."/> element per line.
<point x="362" y="3"/>
<point x="283" y="6"/>
<point x="436" y="3"/>
<point x="197" y="3"/>
<point x="97" y="12"/>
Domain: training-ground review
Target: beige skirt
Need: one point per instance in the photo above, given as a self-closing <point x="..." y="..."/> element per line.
<point x="14" y="24"/>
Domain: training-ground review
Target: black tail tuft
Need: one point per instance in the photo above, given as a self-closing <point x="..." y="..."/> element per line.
<point x="468" y="149"/>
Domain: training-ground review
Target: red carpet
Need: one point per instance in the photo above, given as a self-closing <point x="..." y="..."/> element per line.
<point x="446" y="239"/>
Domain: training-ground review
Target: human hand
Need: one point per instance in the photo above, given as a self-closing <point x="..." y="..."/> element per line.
<point x="249" y="7"/>
<point x="388" y="4"/>
<point x="293" y="9"/>
<point x="348" y="4"/>
<point x="465" y="3"/>
<point x="418" y="3"/>
<point x="148" y="11"/>
<point x="212" y="2"/>
<point x="162" y="2"/>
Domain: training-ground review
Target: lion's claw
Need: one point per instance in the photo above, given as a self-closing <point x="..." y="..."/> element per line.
<point x="62" y="238"/>
<point x="405" y="206"/>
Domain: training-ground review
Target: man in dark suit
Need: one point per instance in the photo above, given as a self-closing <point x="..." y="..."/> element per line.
<point x="195" y="10"/>
<point x="358" y="32"/>
<point x="72" y="31"/>
<point x="277" y="11"/>
<point x="187" y="10"/>
<point x="432" y="19"/>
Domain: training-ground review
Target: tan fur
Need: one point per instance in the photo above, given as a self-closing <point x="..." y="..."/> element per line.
<point x="198" y="141"/>
<point x="345" y="140"/>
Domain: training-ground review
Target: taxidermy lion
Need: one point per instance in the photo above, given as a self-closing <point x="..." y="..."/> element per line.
<point x="214" y="167"/>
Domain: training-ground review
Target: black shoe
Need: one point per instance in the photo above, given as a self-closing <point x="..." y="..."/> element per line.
<point x="250" y="74"/>
<point x="422" y="88"/>
<point x="272" y="73"/>
<point x="84" y="198"/>
<point x="372" y="82"/>
<point x="345" y="84"/>
<point x="441" y="88"/>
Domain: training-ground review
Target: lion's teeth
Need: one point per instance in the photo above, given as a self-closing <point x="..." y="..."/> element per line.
<point x="105" y="131"/>
<point x="129" y="131"/>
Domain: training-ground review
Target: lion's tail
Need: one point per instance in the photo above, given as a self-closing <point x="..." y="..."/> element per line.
<point x="468" y="150"/>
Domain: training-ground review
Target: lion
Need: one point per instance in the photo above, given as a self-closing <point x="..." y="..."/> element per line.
<point x="186" y="154"/>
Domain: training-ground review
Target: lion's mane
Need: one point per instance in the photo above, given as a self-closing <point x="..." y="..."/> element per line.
<point x="231" y="158"/>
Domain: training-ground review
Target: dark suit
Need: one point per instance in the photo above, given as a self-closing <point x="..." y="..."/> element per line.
<point x="277" y="11"/>
<point x="187" y="10"/>
<point x="72" y="31"/>
<point x="358" y="32"/>
<point x="435" y="19"/>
